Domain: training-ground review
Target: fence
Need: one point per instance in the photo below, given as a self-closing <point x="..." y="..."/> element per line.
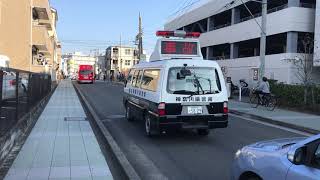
<point x="19" y="92"/>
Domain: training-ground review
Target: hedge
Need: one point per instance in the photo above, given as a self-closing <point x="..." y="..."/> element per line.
<point x="293" y="95"/>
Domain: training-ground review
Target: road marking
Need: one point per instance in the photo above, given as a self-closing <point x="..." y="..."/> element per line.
<point x="273" y="125"/>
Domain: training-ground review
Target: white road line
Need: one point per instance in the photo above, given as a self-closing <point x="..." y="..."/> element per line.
<point x="272" y="125"/>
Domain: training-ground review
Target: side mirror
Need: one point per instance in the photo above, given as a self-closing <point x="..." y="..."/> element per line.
<point x="298" y="156"/>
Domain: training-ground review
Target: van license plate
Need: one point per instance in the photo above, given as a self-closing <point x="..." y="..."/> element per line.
<point x="195" y="110"/>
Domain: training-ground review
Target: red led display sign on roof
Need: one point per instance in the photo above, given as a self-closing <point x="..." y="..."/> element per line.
<point x="179" y="48"/>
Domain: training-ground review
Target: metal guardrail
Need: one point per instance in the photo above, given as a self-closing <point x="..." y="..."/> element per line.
<point x="308" y="5"/>
<point x="218" y="58"/>
<point x="19" y="92"/>
<point x="221" y="26"/>
<point x="272" y="10"/>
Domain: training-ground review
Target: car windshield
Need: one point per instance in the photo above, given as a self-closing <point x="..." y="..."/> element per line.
<point x="85" y="72"/>
<point x="202" y="80"/>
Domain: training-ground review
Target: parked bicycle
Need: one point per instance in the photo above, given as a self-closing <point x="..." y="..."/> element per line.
<point x="245" y="91"/>
<point x="267" y="100"/>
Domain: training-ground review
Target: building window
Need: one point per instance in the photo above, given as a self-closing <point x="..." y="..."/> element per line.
<point x="204" y="52"/>
<point x="305" y="43"/>
<point x="127" y="62"/>
<point x="219" y="52"/>
<point x="127" y="51"/>
<point x="115" y="50"/>
<point x="276" y="44"/>
<point x="199" y="26"/>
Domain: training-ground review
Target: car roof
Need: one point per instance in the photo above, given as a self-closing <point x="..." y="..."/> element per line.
<point x="176" y="63"/>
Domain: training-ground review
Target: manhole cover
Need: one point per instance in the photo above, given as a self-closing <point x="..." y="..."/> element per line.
<point x="115" y="117"/>
<point x="75" y="119"/>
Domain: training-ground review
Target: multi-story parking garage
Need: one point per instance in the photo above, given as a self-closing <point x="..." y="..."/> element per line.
<point x="231" y="35"/>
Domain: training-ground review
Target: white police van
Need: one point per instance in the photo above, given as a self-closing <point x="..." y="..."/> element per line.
<point x="177" y="88"/>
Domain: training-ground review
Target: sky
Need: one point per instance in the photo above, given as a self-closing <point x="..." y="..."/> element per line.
<point x="85" y="25"/>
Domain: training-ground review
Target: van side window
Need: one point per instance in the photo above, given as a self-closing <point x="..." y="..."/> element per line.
<point x="137" y="81"/>
<point x="134" y="77"/>
<point x="130" y="76"/>
<point x="218" y="80"/>
<point x="150" y="80"/>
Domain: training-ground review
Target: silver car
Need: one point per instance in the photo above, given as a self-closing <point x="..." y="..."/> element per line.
<point x="281" y="159"/>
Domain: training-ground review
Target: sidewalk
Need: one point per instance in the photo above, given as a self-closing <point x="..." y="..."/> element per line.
<point x="60" y="149"/>
<point x="300" y="121"/>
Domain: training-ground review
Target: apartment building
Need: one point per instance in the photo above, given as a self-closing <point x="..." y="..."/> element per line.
<point x="28" y="35"/>
<point x="120" y="59"/>
<point x="231" y="35"/>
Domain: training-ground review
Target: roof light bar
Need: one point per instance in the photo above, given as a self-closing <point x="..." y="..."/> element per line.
<point x="181" y="34"/>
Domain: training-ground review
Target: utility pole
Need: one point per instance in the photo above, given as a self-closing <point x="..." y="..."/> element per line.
<point x="140" y="44"/>
<point x="263" y="40"/>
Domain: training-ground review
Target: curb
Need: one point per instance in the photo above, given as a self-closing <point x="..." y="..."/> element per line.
<point x="126" y="167"/>
<point x="275" y="122"/>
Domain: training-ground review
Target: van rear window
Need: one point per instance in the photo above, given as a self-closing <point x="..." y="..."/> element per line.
<point x="86" y="72"/>
<point x="198" y="80"/>
<point x="150" y="80"/>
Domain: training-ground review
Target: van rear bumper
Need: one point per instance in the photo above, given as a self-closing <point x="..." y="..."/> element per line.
<point x="85" y="81"/>
<point x="194" y="122"/>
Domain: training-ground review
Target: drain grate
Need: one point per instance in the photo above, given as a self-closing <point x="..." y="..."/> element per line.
<point x="76" y="119"/>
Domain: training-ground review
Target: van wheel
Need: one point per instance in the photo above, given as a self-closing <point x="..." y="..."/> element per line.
<point x="128" y="113"/>
<point x="203" y="132"/>
<point x="149" y="128"/>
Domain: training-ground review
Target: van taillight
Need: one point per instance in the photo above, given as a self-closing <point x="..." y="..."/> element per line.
<point x="225" y="108"/>
<point x="162" y="109"/>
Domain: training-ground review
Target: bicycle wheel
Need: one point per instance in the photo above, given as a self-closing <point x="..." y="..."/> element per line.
<point x="254" y="101"/>
<point x="271" y="103"/>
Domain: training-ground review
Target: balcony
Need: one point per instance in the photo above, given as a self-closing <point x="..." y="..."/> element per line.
<point x="42" y="13"/>
<point x="41" y="40"/>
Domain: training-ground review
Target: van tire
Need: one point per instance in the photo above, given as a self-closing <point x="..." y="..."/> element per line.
<point x="203" y="132"/>
<point x="128" y="113"/>
<point x="150" y="130"/>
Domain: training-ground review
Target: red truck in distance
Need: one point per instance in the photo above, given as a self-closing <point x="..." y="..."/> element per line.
<point x="85" y="74"/>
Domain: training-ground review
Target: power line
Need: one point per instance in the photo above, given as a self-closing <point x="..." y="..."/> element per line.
<point x="181" y="10"/>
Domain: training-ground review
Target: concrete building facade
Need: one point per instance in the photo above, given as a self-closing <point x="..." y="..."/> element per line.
<point x="28" y="35"/>
<point x="120" y="59"/>
<point x="231" y="35"/>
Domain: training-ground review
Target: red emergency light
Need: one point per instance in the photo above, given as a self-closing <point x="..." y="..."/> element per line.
<point x="181" y="34"/>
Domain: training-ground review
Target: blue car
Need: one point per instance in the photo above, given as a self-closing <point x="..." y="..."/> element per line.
<point x="280" y="159"/>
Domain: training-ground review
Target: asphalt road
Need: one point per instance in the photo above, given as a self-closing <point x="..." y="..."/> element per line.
<point x="183" y="155"/>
